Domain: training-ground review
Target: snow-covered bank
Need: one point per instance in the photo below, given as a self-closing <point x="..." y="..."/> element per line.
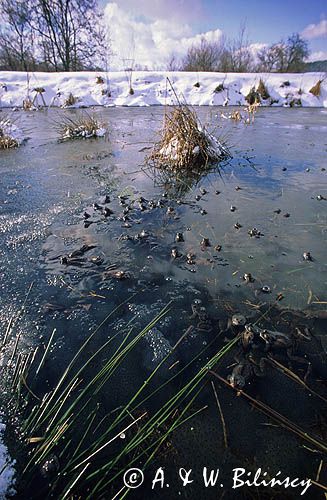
<point x="7" y="471"/>
<point x="151" y="88"/>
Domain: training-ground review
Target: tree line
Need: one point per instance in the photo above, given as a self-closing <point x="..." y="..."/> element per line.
<point x="236" y="56"/>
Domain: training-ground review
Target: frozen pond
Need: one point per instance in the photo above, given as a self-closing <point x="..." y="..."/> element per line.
<point x="276" y="183"/>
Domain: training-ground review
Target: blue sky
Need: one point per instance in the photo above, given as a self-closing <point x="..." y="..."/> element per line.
<point x="154" y="29"/>
<point x="267" y="21"/>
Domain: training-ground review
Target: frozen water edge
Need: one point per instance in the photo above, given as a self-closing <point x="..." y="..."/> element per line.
<point x="7" y="471"/>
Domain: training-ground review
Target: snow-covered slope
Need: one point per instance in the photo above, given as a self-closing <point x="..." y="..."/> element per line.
<point x="152" y="88"/>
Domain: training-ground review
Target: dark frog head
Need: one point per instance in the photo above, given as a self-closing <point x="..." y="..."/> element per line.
<point x="236" y="380"/>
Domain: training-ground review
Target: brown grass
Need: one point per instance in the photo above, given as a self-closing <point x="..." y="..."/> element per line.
<point x="82" y="126"/>
<point x="236" y="115"/>
<point x="99" y="80"/>
<point x="71" y="100"/>
<point x="262" y="90"/>
<point x="184" y="144"/>
<point x="28" y="104"/>
<point x="6" y="141"/>
<point x="253" y="96"/>
<point x="39" y="90"/>
<point x="316" y="89"/>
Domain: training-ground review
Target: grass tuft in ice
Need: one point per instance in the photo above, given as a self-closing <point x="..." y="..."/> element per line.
<point x="253" y="96"/>
<point x="185" y="144"/>
<point x="28" y="104"/>
<point x="99" y="80"/>
<point x="81" y="126"/>
<point x="71" y="100"/>
<point x="10" y="135"/>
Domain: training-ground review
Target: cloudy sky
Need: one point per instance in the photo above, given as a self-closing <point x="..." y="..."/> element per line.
<point x="149" y="31"/>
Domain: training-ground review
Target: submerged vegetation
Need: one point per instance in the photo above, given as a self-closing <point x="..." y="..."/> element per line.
<point x="78" y="446"/>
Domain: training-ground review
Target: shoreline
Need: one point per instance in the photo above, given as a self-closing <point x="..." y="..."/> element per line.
<point x="152" y="88"/>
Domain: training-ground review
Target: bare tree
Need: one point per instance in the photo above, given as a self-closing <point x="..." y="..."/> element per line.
<point x="53" y="35"/>
<point x="270" y="58"/>
<point x="297" y="52"/>
<point x="223" y="55"/>
<point x="284" y="56"/>
<point x="70" y="32"/>
<point x="16" y="36"/>
<point x="173" y="64"/>
<point x="202" y="57"/>
<point x="238" y="56"/>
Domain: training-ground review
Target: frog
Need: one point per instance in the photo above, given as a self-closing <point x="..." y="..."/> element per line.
<point x="245" y="370"/>
<point x="200" y="312"/>
<point x="279" y="341"/>
<point x="116" y="274"/>
<point x="233" y="325"/>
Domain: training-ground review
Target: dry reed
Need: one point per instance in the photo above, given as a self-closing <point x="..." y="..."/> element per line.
<point x="316" y="89"/>
<point x="185" y="144"/>
<point x="7" y="141"/>
<point x="71" y="100"/>
<point x="262" y="90"/>
<point x="81" y="126"/>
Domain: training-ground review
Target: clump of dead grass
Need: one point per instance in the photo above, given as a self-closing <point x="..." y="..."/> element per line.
<point x="99" y="80"/>
<point x="253" y="96"/>
<point x="70" y="100"/>
<point x="81" y="126"/>
<point x="7" y="142"/>
<point x="7" y="134"/>
<point x="184" y="144"/>
<point x="262" y="90"/>
<point x="247" y="118"/>
<point x="28" y="104"/>
<point x="316" y="89"/>
<point x="219" y="88"/>
<point x="236" y="116"/>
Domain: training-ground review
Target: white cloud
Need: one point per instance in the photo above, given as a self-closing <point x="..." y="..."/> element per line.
<point x="186" y="10"/>
<point x="315" y="30"/>
<point x="320" y="55"/>
<point x="149" y="42"/>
